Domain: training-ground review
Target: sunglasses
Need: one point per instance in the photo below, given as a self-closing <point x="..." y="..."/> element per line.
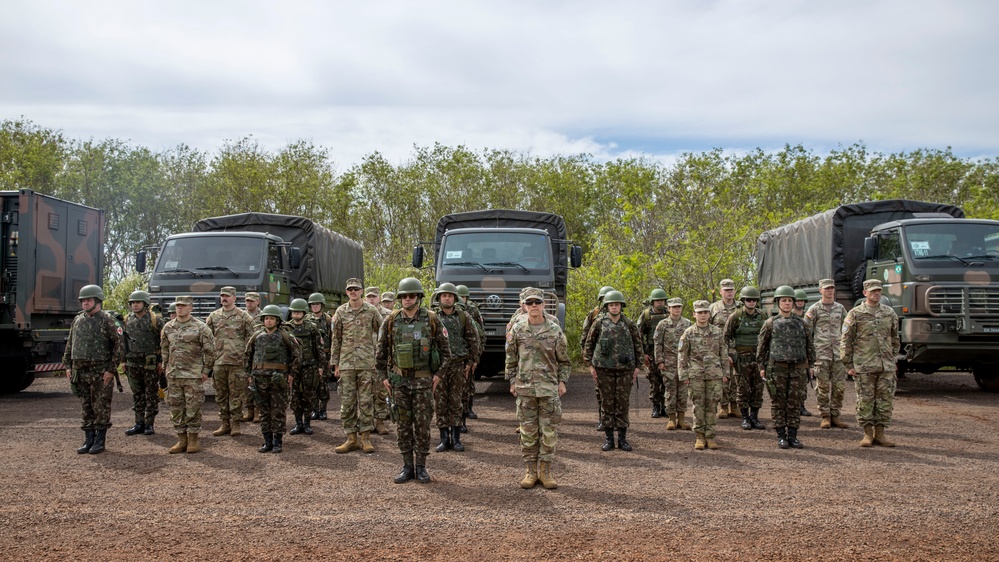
<point x="352" y="289"/>
<point x="533" y="303"/>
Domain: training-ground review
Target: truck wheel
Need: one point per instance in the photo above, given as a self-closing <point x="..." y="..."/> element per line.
<point x="858" y="281"/>
<point x="987" y="377"/>
<point x="18" y="378"/>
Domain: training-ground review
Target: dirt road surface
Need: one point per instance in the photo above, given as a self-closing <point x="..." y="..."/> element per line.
<point x="932" y="498"/>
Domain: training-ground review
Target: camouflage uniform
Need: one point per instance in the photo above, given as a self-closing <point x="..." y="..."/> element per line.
<point x="870" y="345"/>
<point x="473" y="310"/>
<point x="463" y="340"/>
<point x="614" y="349"/>
<point x="647" y="323"/>
<point x="666" y="339"/>
<point x="230" y="329"/>
<point x="591" y="316"/>
<point x="96" y="345"/>
<point x="258" y="322"/>
<point x="742" y="331"/>
<point x="188" y="354"/>
<point x="412" y="386"/>
<point x="785" y="349"/>
<point x="378" y="391"/>
<point x="701" y="362"/>
<point x="270" y="359"/>
<point x="825" y="322"/>
<point x="719" y="314"/>
<point x="305" y="381"/>
<point x="324" y="322"/>
<point x="141" y="362"/>
<point x="353" y="350"/>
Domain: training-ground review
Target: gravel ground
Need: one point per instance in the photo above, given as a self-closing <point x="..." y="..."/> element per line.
<point x="932" y="498"/>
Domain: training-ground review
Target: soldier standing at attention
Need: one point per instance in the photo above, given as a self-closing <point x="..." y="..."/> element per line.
<point x="785" y="346"/>
<point x="352" y="354"/>
<point x="95" y="348"/>
<point x="408" y="342"/>
<point x="473" y="310"/>
<point x="720" y="311"/>
<point x="742" y="333"/>
<point x="869" y="348"/>
<point x="587" y="323"/>
<point x="537" y="366"/>
<point x="253" y="306"/>
<point x="463" y="341"/>
<point x="371" y="295"/>
<point x="143" y="362"/>
<point x="323" y="321"/>
<point x="800" y="300"/>
<point x="647" y="322"/>
<point x="172" y="311"/>
<point x="253" y="309"/>
<point x="310" y="368"/>
<point x="231" y="328"/>
<point x="613" y="349"/>
<point x="701" y="362"/>
<point x="667" y="338"/>
<point x="824" y="320"/>
<point x="271" y="359"/>
<point x="388" y="303"/>
<point x="188" y="355"/>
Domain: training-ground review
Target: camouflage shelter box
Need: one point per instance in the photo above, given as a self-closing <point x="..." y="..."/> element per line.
<point x="830" y="244"/>
<point x="341" y="257"/>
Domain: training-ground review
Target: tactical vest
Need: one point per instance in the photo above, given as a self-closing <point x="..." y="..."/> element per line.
<point x="650" y="327"/>
<point x="270" y="348"/>
<point x="614" y="348"/>
<point x="748" y="332"/>
<point x="411" y="342"/>
<point x="89" y="342"/>
<point x="455" y="325"/>
<point x="305" y="337"/>
<point x="142" y="336"/>
<point x="787" y="343"/>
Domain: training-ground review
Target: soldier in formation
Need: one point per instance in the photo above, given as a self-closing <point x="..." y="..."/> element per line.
<point x="310" y="369"/>
<point x="188" y="355"/>
<point x="784" y="355"/>
<point x="869" y="348"/>
<point x="800" y="300"/>
<point x="612" y="353"/>
<point x="324" y="322"/>
<point x="463" y="341"/>
<point x="410" y="343"/>
<point x="231" y="328"/>
<point x="381" y="415"/>
<point x="252" y="299"/>
<point x="94" y="350"/>
<point x="587" y="323"/>
<point x="667" y="340"/>
<point x="352" y="355"/>
<point x="473" y="310"/>
<point x="647" y="322"/>
<point x="272" y="357"/>
<point x="701" y="361"/>
<point x="537" y="366"/>
<point x="143" y="361"/>
<point x="388" y="302"/>
<point x="719" y="313"/>
<point x="824" y="320"/>
<point x="742" y="332"/>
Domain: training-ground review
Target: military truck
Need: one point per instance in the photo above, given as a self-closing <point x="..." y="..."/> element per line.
<point x="51" y="248"/>
<point x="496" y="253"/>
<point x="939" y="271"/>
<point x="282" y="257"/>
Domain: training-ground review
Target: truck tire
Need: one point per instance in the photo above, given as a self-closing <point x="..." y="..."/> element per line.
<point x="857" y="283"/>
<point x="987" y="377"/>
<point x="18" y="378"/>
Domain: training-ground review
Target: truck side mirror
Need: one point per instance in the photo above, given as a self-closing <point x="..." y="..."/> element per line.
<point x="870" y="247"/>
<point x="576" y="256"/>
<point x="296" y="257"/>
<point x="140" y="261"/>
<point x="418" y="256"/>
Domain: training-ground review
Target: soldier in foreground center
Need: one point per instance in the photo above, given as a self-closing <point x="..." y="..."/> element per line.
<point x="143" y="361"/>
<point x="231" y="327"/>
<point x="188" y="354"/>
<point x="352" y="356"/>
<point x="272" y="356"/>
<point x="701" y="360"/>
<point x="667" y="339"/>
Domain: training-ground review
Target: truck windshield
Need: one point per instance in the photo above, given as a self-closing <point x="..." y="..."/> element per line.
<point x="952" y="240"/>
<point x="476" y="249"/>
<point x="236" y="253"/>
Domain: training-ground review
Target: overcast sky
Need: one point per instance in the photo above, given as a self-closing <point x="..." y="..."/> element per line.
<point x="610" y="79"/>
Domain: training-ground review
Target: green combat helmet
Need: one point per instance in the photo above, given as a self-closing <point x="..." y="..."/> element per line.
<point x="748" y="292"/>
<point x="410" y="286"/>
<point x="603" y="292"/>
<point x="657" y="295"/>
<point x="272" y="310"/>
<point x="297" y="305"/>
<point x="447" y="288"/>
<point x="317" y="298"/>
<point x="783" y="291"/>
<point x="139" y="296"/>
<point x="172" y="309"/>
<point x="92" y="292"/>
<point x="799" y="295"/>
<point x="462" y="291"/>
<point x="613" y="296"/>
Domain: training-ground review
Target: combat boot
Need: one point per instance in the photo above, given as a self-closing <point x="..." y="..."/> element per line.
<point x="656" y="411"/>
<point x="349" y="445"/>
<point x="148" y="429"/>
<point x="545" y="475"/>
<point x="463" y="428"/>
<point x="380" y="428"/>
<point x="256" y="416"/>
<point x="836" y="422"/>
<point x="298" y="426"/>
<point x="456" y="440"/>
<point x="782" y="438"/>
<point x="792" y="438"/>
<point x="879" y="437"/>
<point x="136" y="429"/>
<point x="268" y="445"/>
<point x="671" y="424"/>
<point x="366" y="445"/>
<point x="180" y="446"/>
<point x="407" y="472"/>
<point x="609" y="441"/>
<point x="278" y="442"/>
<point x="722" y="411"/>
<point x="826" y="422"/>
<point x="531" y="476"/>
<point x="307" y="426"/>
<point x="804" y="411"/>
<point x="445" y="443"/>
<point x="101" y="434"/>
<point x="192" y="443"/>
<point x="422" y="476"/>
<point x="248" y="416"/>
<point x="710" y="442"/>
<point x="224" y="429"/>
<point x="470" y="414"/>
<point x="754" y="418"/>
<point x="746" y="424"/>
<point x="681" y="422"/>
<point x="868" y="439"/>
<point x="322" y="413"/>
<point x="699" y="442"/>
<point x="314" y="415"/>
<point x="622" y="440"/>
<point x="88" y="441"/>
<point x="732" y="409"/>
<point x="234" y="428"/>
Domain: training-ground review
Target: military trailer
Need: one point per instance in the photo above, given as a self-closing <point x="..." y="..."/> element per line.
<point x="496" y="253"/>
<point x="939" y="271"/>
<point x="282" y="257"/>
<point x="51" y="249"/>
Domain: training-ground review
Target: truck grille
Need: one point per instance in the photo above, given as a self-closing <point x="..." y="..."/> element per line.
<point x="950" y="301"/>
<point x="498" y="307"/>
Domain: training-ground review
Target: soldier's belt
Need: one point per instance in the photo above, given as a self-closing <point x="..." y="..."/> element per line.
<point x="412" y="373"/>
<point x="85" y="365"/>
<point x="791" y="364"/>
<point x="270" y="367"/>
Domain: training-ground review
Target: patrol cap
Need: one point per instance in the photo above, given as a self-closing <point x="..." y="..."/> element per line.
<point x="824" y="283"/>
<point x="675" y="301"/>
<point x="873" y="285"/>
<point x="727" y="284"/>
<point x="702" y="306"/>
<point x="532" y="293"/>
<point x="388" y="296"/>
<point x="228" y="291"/>
<point x="252" y="296"/>
<point x="354" y="283"/>
<point x="186" y="300"/>
<point x="372" y="291"/>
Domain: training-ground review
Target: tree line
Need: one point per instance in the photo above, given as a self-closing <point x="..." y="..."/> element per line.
<point x="682" y="225"/>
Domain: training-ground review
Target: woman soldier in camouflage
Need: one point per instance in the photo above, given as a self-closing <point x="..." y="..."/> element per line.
<point x="701" y="356"/>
